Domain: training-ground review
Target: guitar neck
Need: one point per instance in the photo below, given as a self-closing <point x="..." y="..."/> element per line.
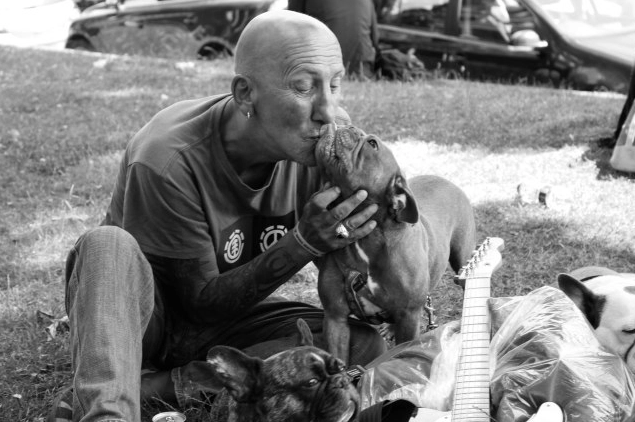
<point x="471" y="395"/>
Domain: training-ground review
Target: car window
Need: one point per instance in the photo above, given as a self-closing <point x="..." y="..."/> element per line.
<point x="485" y="19"/>
<point x="588" y="18"/>
<point x="428" y="15"/>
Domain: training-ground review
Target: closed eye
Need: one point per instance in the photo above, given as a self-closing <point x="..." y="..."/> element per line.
<point x="373" y="144"/>
<point x="632" y="331"/>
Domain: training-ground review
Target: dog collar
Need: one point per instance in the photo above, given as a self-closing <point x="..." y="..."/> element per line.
<point x="356" y="289"/>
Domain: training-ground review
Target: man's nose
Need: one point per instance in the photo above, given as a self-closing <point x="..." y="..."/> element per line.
<point x="325" y="107"/>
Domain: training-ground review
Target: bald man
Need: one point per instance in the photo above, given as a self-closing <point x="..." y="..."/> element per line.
<point x="216" y="205"/>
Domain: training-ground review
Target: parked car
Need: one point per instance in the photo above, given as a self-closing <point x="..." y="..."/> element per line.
<point x="581" y="44"/>
<point x="36" y="23"/>
<point x="85" y="4"/>
<point x="179" y="29"/>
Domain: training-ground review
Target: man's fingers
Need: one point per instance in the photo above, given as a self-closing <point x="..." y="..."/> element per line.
<point x="327" y="195"/>
<point x="355" y="221"/>
<point x="365" y="229"/>
<point x="342" y="211"/>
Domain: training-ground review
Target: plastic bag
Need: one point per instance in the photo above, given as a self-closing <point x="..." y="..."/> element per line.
<point x="404" y="372"/>
<point x="543" y="350"/>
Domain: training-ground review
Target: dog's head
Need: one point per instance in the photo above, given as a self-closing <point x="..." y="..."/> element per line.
<point x="608" y="302"/>
<point x="300" y="384"/>
<point x="353" y="160"/>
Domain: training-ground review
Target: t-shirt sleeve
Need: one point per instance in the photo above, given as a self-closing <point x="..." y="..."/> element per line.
<point x="164" y="213"/>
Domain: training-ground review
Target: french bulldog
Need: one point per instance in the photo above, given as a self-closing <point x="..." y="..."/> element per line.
<point x="386" y="276"/>
<point x="300" y="384"/>
<point x="607" y="300"/>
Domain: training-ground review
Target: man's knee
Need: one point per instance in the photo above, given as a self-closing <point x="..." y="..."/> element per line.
<point x="108" y="237"/>
<point x="366" y="345"/>
<point x="107" y="256"/>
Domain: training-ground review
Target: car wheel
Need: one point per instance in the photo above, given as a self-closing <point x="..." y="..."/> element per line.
<point x="214" y="52"/>
<point x="601" y="88"/>
<point x="80" y="44"/>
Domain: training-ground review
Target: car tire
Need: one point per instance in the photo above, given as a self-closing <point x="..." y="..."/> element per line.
<point x="80" y="44"/>
<point x="214" y="52"/>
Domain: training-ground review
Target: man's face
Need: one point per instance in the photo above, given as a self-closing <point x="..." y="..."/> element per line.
<point x="297" y="93"/>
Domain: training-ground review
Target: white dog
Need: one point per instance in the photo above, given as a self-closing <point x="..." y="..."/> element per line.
<point x="607" y="299"/>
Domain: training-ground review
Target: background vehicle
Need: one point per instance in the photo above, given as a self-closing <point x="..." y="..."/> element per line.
<point x="179" y="29"/>
<point x="29" y="23"/>
<point x="582" y="44"/>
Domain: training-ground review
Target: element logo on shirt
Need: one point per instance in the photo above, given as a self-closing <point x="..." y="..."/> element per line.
<point x="248" y="237"/>
<point x="234" y="246"/>
<point x="270" y="236"/>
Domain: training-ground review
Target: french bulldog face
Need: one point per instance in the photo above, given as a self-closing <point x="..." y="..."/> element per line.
<point x="608" y="302"/>
<point x="353" y="160"/>
<point x="300" y="384"/>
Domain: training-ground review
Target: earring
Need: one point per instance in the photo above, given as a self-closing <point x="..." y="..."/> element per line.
<point x="248" y="115"/>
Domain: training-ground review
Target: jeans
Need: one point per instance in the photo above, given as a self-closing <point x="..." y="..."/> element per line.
<point x="119" y="325"/>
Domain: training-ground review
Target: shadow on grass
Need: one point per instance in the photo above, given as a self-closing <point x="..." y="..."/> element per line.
<point x="539" y="244"/>
<point x="600" y="152"/>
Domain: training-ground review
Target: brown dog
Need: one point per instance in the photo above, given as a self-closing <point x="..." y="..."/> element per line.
<point x="421" y="225"/>
<point x="300" y="384"/>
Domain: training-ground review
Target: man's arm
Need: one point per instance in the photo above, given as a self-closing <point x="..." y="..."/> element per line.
<point x="207" y="296"/>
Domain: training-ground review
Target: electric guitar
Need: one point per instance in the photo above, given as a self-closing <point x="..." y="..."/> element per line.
<point x="471" y="401"/>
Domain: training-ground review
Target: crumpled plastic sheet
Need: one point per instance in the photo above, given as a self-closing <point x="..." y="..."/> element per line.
<point x="543" y="350"/>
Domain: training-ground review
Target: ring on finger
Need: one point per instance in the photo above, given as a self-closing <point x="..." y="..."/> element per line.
<point x="341" y="231"/>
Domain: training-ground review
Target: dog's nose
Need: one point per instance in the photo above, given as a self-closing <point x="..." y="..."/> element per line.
<point x="328" y="128"/>
<point x="346" y="136"/>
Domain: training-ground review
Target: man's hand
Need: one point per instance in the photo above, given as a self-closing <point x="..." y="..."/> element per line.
<point x="318" y="223"/>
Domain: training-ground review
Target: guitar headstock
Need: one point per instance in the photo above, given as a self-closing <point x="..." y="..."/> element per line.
<point x="485" y="260"/>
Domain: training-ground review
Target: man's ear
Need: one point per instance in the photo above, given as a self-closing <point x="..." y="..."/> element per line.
<point x="244" y="95"/>
<point x="588" y="302"/>
<point x="238" y="373"/>
<point x="403" y="207"/>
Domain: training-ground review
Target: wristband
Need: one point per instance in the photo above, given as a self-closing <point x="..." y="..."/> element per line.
<point x="305" y="245"/>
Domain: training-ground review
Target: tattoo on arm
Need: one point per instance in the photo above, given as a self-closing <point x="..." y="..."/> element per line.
<point x="223" y="295"/>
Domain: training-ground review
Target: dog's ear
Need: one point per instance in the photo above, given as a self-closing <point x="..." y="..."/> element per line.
<point x="588" y="302"/>
<point x="305" y="337"/>
<point x="403" y="207"/>
<point x="239" y="373"/>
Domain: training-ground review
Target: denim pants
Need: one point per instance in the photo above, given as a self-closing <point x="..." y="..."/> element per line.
<point x="119" y="324"/>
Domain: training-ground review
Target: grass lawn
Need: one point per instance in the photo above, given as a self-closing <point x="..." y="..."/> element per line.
<point x="65" y="118"/>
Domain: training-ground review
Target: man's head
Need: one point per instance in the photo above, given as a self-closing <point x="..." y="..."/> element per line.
<point x="288" y="74"/>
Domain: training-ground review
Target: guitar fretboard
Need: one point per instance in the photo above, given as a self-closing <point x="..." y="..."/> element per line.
<point x="471" y="394"/>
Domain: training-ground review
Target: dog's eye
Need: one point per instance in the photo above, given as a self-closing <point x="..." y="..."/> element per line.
<point x="373" y="143"/>
<point x="312" y="382"/>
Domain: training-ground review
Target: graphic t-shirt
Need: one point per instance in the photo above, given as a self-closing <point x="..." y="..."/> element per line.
<point x="179" y="196"/>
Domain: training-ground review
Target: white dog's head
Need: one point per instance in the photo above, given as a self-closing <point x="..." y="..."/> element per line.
<point x="607" y="299"/>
